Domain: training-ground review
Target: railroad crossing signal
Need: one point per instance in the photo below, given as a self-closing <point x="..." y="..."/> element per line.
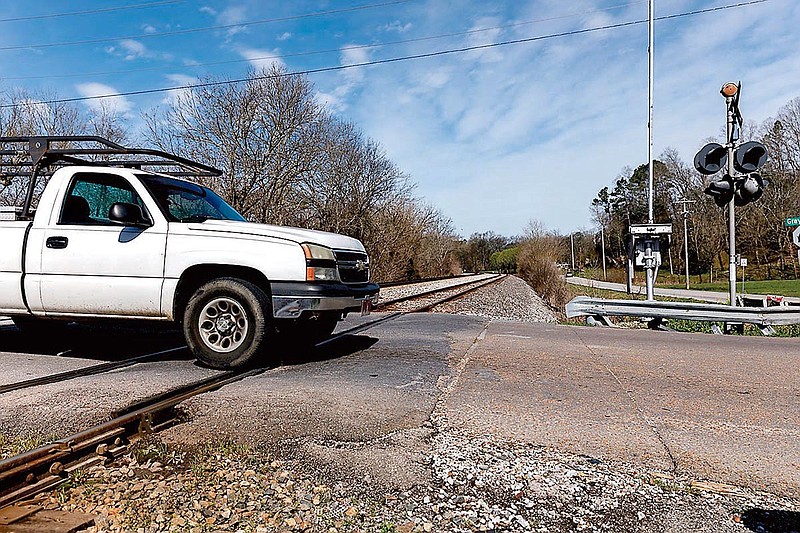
<point x="749" y="157"/>
<point x="711" y="159"/>
<point x="721" y="190"/>
<point x="743" y="189"/>
<point x="749" y="189"/>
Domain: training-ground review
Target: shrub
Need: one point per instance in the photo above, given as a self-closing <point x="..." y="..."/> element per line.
<point x="536" y="264"/>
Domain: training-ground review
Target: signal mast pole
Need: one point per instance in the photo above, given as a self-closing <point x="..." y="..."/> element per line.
<point x="729" y="91"/>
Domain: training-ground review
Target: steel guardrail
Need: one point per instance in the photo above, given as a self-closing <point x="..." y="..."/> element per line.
<point x="761" y="316"/>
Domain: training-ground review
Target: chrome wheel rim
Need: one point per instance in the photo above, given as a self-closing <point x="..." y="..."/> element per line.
<point x="223" y="325"/>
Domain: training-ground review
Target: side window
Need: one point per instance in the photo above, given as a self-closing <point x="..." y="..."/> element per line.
<point x="91" y="196"/>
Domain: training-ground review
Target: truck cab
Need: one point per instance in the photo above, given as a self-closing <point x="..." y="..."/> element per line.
<point x="114" y="239"/>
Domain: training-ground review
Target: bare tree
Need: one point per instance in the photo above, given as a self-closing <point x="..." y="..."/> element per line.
<point x="263" y="134"/>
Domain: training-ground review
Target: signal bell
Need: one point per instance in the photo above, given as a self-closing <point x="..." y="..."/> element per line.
<point x="721" y="190"/>
<point x="748" y="189"/>
<point x="711" y="159"/>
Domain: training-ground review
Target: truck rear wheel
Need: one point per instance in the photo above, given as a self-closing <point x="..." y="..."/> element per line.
<point x="226" y="322"/>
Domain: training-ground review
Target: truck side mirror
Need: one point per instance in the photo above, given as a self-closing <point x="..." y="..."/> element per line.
<point x="128" y="215"/>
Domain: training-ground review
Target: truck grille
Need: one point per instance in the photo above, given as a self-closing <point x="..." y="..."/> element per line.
<point x="353" y="266"/>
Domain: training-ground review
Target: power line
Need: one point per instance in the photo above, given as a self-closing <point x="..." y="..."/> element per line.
<point x="92" y="11"/>
<point x="393" y="59"/>
<point x="205" y="28"/>
<point x="333" y="50"/>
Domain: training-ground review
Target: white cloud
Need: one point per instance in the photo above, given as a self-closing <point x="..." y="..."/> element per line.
<point x="331" y="102"/>
<point x="488" y="37"/>
<point x="118" y="104"/>
<point x="354" y="56"/>
<point x="349" y="79"/>
<point x="233" y="15"/>
<point x="208" y="10"/>
<point x="180" y="80"/>
<point x="533" y="130"/>
<point x="396" y="26"/>
<point x="133" y="49"/>
<point x="262" y="59"/>
<point x="147" y="28"/>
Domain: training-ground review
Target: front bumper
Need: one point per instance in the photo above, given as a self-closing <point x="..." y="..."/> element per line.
<point x="292" y="299"/>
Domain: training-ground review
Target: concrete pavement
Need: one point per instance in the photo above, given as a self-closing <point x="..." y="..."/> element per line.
<point x="712" y="407"/>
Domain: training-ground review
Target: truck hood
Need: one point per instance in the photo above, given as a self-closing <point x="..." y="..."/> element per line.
<point x="298" y="235"/>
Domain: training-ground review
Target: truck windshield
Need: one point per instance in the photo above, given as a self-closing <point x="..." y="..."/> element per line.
<point x="182" y="201"/>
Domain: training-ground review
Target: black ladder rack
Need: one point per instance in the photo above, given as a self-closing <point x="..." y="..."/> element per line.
<point x="37" y="156"/>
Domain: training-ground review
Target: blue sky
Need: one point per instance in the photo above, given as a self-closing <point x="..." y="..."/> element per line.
<point x="493" y="137"/>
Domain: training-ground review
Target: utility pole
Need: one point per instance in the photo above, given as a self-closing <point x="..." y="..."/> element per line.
<point x="685" y="214"/>
<point x="650" y="266"/>
<point x="603" y="248"/>
<point x="572" y="249"/>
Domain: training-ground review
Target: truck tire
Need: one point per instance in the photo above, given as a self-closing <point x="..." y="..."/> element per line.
<point x="226" y="322"/>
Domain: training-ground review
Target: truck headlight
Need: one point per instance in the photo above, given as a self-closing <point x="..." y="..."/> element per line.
<point x="320" y="263"/>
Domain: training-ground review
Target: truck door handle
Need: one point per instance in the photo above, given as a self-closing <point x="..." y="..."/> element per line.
<point x="56" y="242"/>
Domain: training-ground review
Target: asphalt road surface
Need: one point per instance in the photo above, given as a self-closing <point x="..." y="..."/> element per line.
<point x="719" y="408"/>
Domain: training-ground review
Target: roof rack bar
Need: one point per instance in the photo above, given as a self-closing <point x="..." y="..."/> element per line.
<point x="110" y="148"/>
<point x="63" y="138"/>
<point x="42" y="155"/>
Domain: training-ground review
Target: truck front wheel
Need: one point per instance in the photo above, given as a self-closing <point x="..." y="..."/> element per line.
<point x="226" y="322"/>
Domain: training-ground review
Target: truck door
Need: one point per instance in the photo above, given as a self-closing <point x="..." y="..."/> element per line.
<point x="91" y="265"/>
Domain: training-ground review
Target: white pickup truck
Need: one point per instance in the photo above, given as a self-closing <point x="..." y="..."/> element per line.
<point x="110" y="239"/>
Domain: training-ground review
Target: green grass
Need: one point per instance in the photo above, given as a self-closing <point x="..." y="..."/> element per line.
<point x="784" y="287"/>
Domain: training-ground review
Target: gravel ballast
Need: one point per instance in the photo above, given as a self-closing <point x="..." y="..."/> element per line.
<point x="509" y="299"/>
<point x="479" y="484"/>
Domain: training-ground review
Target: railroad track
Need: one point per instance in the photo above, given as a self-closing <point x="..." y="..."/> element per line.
<point x="88" y="370"/>
<point x="26" y="475"/>
<point x="430" y="294"/>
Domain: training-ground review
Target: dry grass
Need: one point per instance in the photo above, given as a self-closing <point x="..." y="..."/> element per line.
<point x="536" y="264"/>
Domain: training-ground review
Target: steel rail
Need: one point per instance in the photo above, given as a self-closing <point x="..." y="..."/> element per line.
<point x="23" y="467"/>
<point x="85" y="371"/>
<point x="393" y="301"/>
